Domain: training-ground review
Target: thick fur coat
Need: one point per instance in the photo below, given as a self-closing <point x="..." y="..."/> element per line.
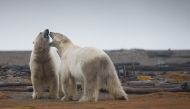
<point x="90" y="66"/>
<point x="45" y="67"/>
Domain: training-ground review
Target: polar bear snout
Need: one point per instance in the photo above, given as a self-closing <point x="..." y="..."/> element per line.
<point x="51" y="35"/>
<point x="46" y="33"/>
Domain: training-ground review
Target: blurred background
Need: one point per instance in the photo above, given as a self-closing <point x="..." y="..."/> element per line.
<point x="105" y="24"/>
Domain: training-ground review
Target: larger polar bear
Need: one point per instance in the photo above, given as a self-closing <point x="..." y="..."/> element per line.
<point x="90" y="66"/>
<point x="45" y="66"/>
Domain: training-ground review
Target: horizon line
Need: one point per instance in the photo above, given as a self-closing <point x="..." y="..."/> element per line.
<point x="107" y="49"/>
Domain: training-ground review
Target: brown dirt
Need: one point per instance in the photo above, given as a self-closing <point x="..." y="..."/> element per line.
<point x="3" y="96"/>
<point x="161" y="100"/>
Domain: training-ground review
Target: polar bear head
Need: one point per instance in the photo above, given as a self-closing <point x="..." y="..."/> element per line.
<point x="59" y="40"/>
<point x="41" y="43"/>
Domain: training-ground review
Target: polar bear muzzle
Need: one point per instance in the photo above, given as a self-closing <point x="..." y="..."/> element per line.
<point x="51" y="35"/>
<point x="46" y="33"/>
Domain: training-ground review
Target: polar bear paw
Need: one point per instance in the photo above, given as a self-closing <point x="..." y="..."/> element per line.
<point x="87" y="99"/>
<point x="36" y="96"/>
<point x="67" y="98"/>
<point x="124" y="97"/>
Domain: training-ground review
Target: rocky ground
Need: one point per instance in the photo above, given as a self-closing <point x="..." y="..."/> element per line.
<point x="16" y="90"/>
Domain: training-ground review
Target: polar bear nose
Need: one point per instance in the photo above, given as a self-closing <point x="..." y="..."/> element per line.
<point x="51" y="35"/>
<point x="46" y="33"/>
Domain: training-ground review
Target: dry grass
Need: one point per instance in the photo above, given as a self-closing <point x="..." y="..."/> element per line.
<point x="144" y="78"/>
<point x="177" y="76"/>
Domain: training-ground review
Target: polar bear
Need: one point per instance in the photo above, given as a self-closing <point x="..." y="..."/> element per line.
<point x="90" y="66"/>
<point x="45" y="67"/>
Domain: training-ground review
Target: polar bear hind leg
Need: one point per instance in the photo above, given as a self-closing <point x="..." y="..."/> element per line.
<point x="116" y="89"/>
<point x="53" y="88"/>
<point x="37" y="89"/>
<point x="111" y="81"/>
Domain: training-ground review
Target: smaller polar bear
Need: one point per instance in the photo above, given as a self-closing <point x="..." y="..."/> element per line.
<point x="90" y="66"/>
<point x="44" y="65"/>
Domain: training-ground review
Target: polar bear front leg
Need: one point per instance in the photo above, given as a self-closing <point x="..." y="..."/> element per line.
<point x="61" y="90"/>
<point x="70" y="89"/>
<point x="91" y="90"/>
<point x="37" y="89"/>
<point x="54" y="88"/>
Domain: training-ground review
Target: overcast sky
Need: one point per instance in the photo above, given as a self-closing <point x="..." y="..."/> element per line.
<point x="105" y="24"/>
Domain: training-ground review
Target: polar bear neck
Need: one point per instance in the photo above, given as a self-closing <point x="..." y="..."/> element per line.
<point x="63" y="48"/>
<point x="41" y="59"/>
<point x="42" y="56"/>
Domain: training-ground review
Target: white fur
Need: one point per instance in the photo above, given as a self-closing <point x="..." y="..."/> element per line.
<point x="90" y="66"/>
<point x="45" y="68"/>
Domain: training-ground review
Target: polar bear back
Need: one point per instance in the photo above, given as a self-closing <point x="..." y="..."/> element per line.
<point x="86" y="53"/>
<point x="77" y="57"/>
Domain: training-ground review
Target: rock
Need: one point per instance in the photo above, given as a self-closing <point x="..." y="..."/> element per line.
<point x="140" y="83"/>
<point x="186" y="86"/>
<point x="14" y="70"/>
<point x="2" y="73"/>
